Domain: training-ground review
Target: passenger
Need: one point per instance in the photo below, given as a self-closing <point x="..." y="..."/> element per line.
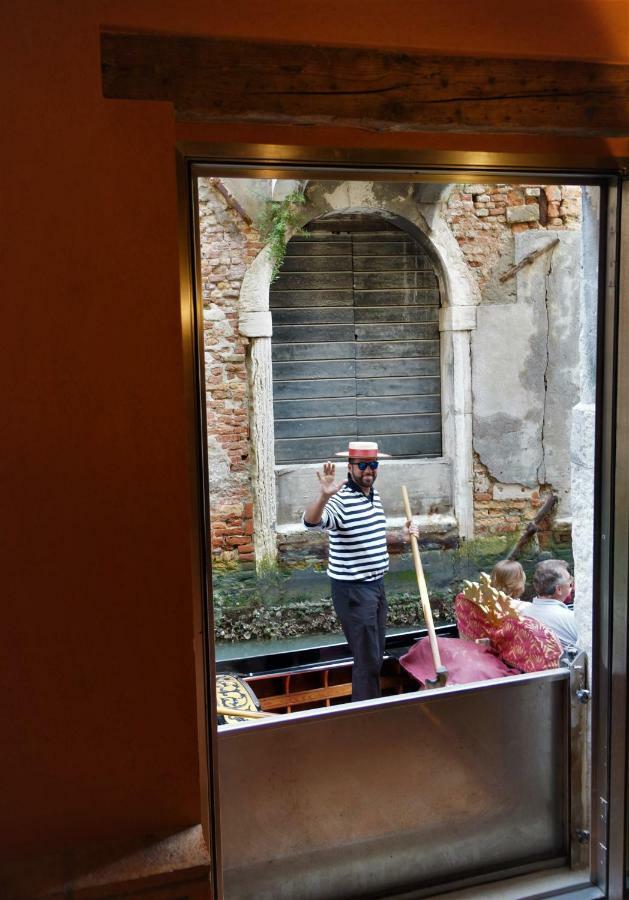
<point x="508" y="576"/>
<point x="553" y="584"/>
<point x="569" y="601"/>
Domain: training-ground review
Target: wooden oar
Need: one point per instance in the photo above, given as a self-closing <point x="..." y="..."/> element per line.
<point x="441" y="671"/>
<point x="244" y="713"/>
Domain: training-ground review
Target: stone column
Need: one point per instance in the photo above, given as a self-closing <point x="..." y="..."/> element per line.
<point x="263" y="457"/>
<point x="583" y="417"/>
<point x="457" y="322"/>
<point x="254" y="321"/>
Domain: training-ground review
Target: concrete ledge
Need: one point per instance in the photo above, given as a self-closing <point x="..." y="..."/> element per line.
<point x="440" y="523"/>
<point x="429" y="484"/>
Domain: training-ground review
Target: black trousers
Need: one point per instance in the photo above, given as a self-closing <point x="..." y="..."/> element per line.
<point x="362" y="609"/>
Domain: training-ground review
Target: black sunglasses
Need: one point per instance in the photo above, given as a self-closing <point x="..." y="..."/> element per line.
<point x="363" y="465"/>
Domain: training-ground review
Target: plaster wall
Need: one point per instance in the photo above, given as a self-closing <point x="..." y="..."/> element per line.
<point x="99" y="589"/>
<point x="522" y="417"/>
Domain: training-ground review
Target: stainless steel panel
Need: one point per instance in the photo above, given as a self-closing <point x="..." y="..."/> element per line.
<point x="392" y="795"/>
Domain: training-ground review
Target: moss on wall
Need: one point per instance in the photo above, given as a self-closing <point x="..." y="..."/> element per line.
<point x="292" y="601"/>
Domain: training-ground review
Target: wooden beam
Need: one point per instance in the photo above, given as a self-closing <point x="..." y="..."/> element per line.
<point x="219" y="80"/>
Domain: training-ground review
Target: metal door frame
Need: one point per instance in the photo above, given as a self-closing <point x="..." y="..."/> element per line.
<point x="611" y="520"/>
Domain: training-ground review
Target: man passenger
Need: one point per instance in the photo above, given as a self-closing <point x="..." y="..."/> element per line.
<point x="553" y="584"/>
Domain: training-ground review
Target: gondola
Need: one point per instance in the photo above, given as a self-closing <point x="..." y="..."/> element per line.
<point x="280" y="683"/>
<point x="490" y="639"/>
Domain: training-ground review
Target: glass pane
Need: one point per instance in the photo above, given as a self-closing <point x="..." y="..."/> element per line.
<point x="455" y="327"/>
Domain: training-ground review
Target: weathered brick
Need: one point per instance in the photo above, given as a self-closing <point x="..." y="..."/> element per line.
<point x="527" y="213"/>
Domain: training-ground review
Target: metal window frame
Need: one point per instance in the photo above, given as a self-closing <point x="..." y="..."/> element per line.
<point x="611" y="514"/>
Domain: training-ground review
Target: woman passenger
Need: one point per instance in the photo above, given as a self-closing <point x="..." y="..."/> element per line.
<point x="508" y="576"/>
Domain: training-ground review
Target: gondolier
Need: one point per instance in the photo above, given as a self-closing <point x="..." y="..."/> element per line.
<point x="352" y="514"/>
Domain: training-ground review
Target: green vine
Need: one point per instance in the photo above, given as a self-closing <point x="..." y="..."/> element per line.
<point x="275" y="221"/>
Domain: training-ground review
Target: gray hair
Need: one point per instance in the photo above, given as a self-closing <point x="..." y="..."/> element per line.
<point x="548" y="574"/>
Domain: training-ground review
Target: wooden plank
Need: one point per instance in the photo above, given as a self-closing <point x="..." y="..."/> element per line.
<point x="285" y="299"/>
<point x="316" y="264"/>
<point x="299" y="281"/>
<point x="399" y="349"/>
<point x="312" y="449"/>
<point x="351" y="223"/>
<point x="318" y="407"/>
<point x="366" y="314"/>
<point x="298" y="698"/>
<point x="314" y="315"/>
<point x="379" y="281"/>
<point x="314" y="247"/>
<point x="393" y="263"/>
<point x="399" y="297"/>
<point x="391" y="367"/>
<point x="316" y="333"/>
<point x="404" y="445"/>
<point x="376" y="405"/>
<point x="322" y="448"/>
<point x="314" y="388"/>
<point x="391" y="331"/>
<point x="220" y="79"/>
<point x="321" y="694"/>
<point x="416" y="424"/>
<point x="389" y="232"/>
<point x="307" y="428"/>
<point x="322" y="351"/>
<point x="385" y="246"/>
<point x="310" y="238"/>
<point x="402" y="385"/>
<point x="334" y="368"/>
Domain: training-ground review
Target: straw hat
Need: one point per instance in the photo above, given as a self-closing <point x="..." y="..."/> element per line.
<point x="363" y="450"/>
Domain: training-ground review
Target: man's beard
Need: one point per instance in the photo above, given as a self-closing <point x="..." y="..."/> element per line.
<point x="358" y="478"/>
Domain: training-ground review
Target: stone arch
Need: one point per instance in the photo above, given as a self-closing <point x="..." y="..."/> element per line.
<point x="415" y="209"/>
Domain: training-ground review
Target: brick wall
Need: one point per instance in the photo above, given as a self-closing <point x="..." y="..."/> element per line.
<point x="500" y="510"/>
<point x="229" y="244"/>
<point x="484" y="217"/>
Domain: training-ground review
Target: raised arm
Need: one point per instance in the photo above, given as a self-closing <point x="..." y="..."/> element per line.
<point x="328" y="486"/>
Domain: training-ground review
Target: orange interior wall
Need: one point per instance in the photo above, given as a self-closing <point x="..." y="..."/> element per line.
<point x="98" y="715"/>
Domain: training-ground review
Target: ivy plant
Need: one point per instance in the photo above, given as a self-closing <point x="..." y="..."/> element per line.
<point x="277" y="218"/>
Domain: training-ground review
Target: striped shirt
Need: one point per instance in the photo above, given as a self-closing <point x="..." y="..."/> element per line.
<point x="356" y="528"/>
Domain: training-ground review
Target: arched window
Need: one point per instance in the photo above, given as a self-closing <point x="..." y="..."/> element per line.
<point x="355" y="342"/>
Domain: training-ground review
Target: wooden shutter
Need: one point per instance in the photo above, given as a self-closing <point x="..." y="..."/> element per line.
<point x="355" y="343"/>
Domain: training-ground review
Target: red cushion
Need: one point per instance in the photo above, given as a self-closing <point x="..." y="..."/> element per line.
<point x="471" y="621"/>
<point x="464" y="660"/>
<point x="520" y="641"/>
<point x="527" y="644"/>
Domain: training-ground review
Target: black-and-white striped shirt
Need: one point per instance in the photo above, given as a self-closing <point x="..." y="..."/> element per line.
<point x="356" y="527"/>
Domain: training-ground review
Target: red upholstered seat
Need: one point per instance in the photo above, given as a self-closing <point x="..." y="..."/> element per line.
<point x="472" y="623"/>
<point x="520" y="641"/>
<point x="465" y="661"/>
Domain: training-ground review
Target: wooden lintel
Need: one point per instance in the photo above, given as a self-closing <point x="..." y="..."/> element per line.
<point x="220" y="80"/>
